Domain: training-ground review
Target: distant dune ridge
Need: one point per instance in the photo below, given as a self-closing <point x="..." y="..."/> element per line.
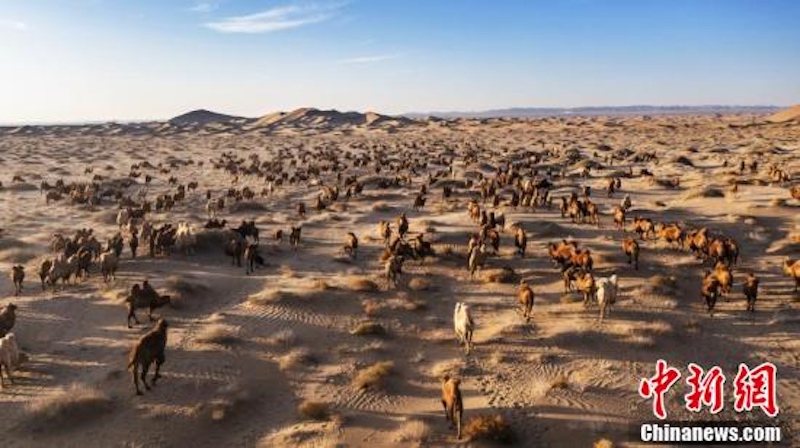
<point x="786" y="115"/>
<point x="310" y="118"/>
<point x="538" y="112"/>
<point x="313" y="121"/>
<point x="202" y="117"/>
<point x="307" y="120"/>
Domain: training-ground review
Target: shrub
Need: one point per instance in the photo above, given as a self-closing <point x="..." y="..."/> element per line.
<point x="505" y="274"/>
<point x="186" y="285"/>
<point x="492" y="428"/>
<point x="77" y="404"/>
<point x="219" y="334"/>
<point x="419" y="284"/>
<point x="662" y="284"/>
<point x="284" y="338"/>
<point x="703" y="192"/>
<point x="269" y="297"/>
<point x="295" y="358"/>
<point x="361" y="284"/>
<point x="313" y="410"/>
<point x="368" y="328"/>
<point x="559" y="382"/>
<point x="412" y="431"/>
<point x="604" y="443"/>
<point x="373" y="377"/>
<point x="371" y="307"/>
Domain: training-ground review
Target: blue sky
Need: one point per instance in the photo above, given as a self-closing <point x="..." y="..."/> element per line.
<point x="76" y="60"/>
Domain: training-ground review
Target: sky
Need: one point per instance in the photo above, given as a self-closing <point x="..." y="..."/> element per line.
<point x="102" y="60"/>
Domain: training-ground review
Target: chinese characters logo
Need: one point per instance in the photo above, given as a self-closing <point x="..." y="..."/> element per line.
<point x="752" y="388"/>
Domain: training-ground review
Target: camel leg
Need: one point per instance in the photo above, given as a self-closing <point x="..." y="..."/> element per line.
<point x="143" y="376"/>
<point x="131" y="314"/>
<point x="135" y="374"/>
<point x="459" y="414"/>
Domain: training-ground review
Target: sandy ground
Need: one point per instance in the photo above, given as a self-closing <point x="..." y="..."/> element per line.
<point x="245" y="351"/>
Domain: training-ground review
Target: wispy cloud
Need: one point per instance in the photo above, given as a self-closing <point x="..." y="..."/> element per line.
<point x="369" y="59"/>
<point x="277" y="19"/>
<point x="13" y="25"/>
<point x="204" y="7"/>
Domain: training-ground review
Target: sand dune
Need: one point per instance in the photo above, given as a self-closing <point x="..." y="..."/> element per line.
<point x="786" y="115"/>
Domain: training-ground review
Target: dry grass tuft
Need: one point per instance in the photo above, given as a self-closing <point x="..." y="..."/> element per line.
<point x="371" y="307"/>
<point x="702" y="192"/>
<point x="661" y="182"/>
<point x="274" y="296"/>
<point x="360" y="284"/>
<point x="559" y="382"/>
<point x="445" y="251"/>
<point x="604" y="443"/>
<point x="287" y="272"/>
<point x="496" y="359"/>
<point x="186" y="286"/>
<point x="339" y="207"/>
<point x="219" y="334"/>
<point x="283" y="338"/>
<point x="313" y="410"/>
<point x="412" y="431"/>
<point x="368" y="328"/>
<point x="78" y="404"/>
<point x="419" y="284"/>
<point x="320" y="285"/>
<point x="777" y="202"/>
<point x="374" y="376"/>
<point x="642" y="340"/>
<point x="491" y="428"/>
<point x="647" y="297"/>
<point x="414" y="305"/>
<point x="296" y="358"/>
<point x="375" y="346"/>
<point x="662" y="285"/>
<point x="307" y="435"/>
<point x="505" y="274"/>
<point x="543" y="358"/>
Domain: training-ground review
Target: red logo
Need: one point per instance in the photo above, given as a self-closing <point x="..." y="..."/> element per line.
<point x="705" y="389"/>
<point x="753" y="388"/>
<point x="756" y="388"/>
<point x="658" y="385"/>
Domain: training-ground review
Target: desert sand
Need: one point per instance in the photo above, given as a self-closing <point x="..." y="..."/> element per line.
<point x="246" y="351"/>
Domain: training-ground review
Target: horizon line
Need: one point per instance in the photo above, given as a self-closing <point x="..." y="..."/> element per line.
<point x="433" y="113"/>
